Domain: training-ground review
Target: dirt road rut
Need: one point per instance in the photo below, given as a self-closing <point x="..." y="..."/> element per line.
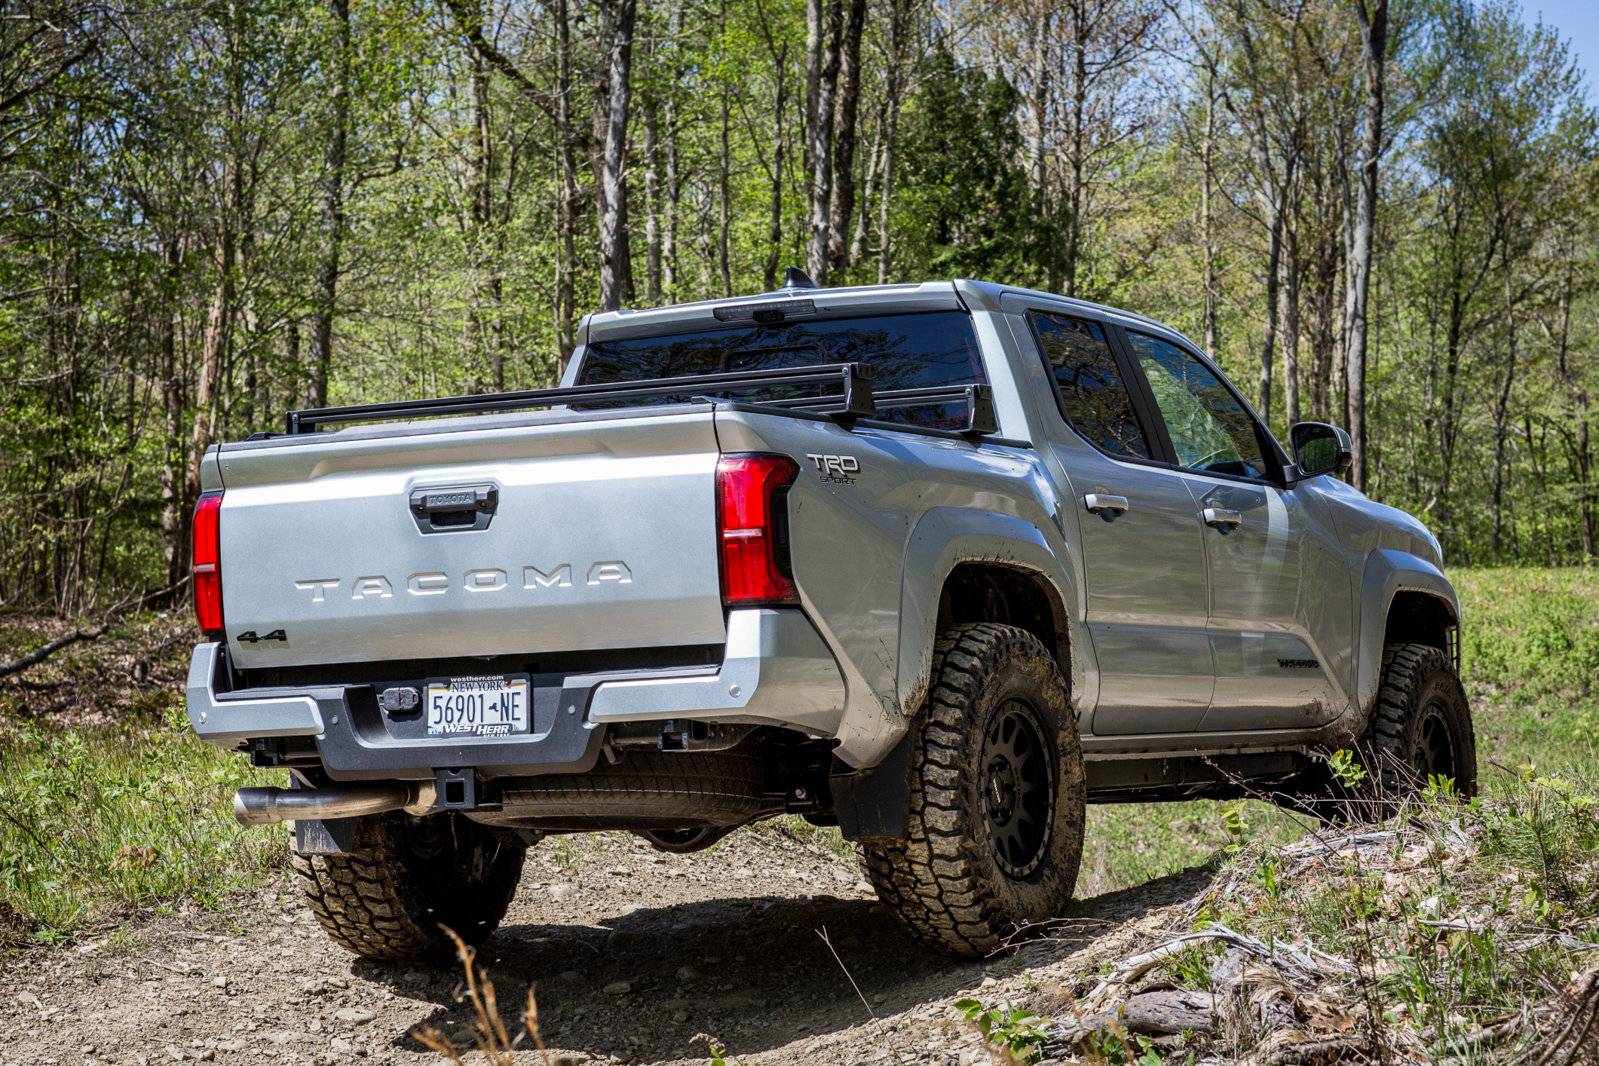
<point x="632" y="954"/>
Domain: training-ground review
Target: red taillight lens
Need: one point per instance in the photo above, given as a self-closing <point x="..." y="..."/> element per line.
<point x="752" y="527"/>
<point x="206" y="564"/>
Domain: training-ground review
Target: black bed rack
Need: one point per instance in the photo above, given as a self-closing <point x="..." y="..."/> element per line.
<point x="854" y="399"/>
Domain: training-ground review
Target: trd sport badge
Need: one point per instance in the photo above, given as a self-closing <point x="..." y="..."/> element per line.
<point x="836" y="469"/>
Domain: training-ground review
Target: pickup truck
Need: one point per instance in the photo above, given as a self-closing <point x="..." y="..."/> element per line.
<point x="935" y="563"/>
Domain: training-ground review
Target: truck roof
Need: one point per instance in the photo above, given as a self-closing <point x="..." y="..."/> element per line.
<point x="951" y="294"/>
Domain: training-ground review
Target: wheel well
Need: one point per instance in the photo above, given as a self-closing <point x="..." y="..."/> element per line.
<point x="1010" y="595"/>
<point x="1420" y="618"/>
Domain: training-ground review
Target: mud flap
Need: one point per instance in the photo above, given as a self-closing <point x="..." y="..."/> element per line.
<point x="874" y="804"/>
<point x="330" y="836"/>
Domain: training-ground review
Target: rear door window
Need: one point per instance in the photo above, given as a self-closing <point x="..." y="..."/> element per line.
<point x="1089" y="384"/>
<point x="905" y="351"/>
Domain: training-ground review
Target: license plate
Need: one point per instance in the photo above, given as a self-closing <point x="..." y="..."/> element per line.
<point x="489" y="706"/>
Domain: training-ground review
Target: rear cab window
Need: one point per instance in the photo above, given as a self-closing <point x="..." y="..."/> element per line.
<point x="905" y="351"/>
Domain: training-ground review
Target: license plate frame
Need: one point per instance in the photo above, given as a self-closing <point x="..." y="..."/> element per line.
<point x="477" y="705"/>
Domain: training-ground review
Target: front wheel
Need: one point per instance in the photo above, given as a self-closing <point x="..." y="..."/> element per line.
<point x="997" y="796"/>
<point x="1420" y="729"/>
<point x="407" y="880"/>
<point x="1420" y="733"/>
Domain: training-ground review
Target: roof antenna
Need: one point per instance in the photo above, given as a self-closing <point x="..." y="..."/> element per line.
<point x="795" y="278"/>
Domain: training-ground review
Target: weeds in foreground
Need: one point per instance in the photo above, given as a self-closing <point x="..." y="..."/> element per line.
<point x="1461" y="931"/>
<point x="1015" y="1031"/>
<point x="490" y="1036"/>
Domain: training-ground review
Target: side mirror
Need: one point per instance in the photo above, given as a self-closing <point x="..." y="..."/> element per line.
<point x="1320" y="449"/>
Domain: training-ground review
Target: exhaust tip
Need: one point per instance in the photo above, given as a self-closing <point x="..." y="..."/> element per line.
<point x="263" y="806"/>
<point x="253" y="806"/>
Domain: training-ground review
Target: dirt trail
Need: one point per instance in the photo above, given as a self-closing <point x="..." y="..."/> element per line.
<point x="633" y="953"/>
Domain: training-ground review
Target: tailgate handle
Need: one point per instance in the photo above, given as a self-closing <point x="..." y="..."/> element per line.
<point x="454" y="508"/>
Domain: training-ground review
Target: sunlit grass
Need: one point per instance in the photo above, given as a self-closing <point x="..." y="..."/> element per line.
<point x="97" y="823"/>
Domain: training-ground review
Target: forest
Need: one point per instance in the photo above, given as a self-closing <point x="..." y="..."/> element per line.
<point x="1380" y="213"/>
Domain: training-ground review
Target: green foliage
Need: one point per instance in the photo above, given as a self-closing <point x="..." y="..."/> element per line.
<point x="1115" y="1047"/>
<point x="1018" y="1030"/>
<point x="95" y="824"/>
<point x="1533" y="632"/>
<point x="1345" y="769"/>
<point x="964" y="209"/>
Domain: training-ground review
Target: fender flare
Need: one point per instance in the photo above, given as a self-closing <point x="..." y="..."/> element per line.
<point x="1387" y="573"/>
<point x="946" y="537"/>
<point x="873" y="804"/>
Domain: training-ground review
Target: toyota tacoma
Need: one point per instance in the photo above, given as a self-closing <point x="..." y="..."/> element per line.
<point x="935" y="563"/>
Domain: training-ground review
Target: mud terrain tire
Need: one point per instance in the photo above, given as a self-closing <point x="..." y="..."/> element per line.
<point x="997" y="795"/>
<point x="1421" y="726"/>
<point x="407" y="877"/>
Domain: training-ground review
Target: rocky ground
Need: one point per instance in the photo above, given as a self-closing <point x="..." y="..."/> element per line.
<point x="632" y="954"/>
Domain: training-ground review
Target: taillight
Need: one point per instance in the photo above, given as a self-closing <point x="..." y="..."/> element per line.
<point x="206" y="564"/>
<point x="752" y="526"/>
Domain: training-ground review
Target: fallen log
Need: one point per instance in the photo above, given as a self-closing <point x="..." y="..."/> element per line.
<point x="108" y="621"/>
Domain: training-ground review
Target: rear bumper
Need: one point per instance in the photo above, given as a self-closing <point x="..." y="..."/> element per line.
<point x="776" y="670"/>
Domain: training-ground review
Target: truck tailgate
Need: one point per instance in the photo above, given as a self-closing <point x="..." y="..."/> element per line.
<point x="602" y="535"/>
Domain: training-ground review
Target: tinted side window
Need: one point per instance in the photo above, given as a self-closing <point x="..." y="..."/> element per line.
<point x="1209" y="429"/>
<point x="1093" y="396"/>
<point x="905" y="351"/>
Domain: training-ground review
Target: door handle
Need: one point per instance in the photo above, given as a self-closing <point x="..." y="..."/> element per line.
<point x="1222" y="517"/>
<point x="1102" y="504"/>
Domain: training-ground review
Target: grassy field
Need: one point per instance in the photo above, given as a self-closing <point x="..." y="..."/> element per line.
<point x="98" y="821"/>
<point x="97" y="824"/>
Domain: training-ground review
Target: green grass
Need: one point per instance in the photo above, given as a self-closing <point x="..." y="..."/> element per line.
<point x="1531" y="657"/>
<point x="96" y="824"/>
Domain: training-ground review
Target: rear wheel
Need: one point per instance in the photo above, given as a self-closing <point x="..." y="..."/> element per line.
<point x="997" y="796"/>
<point x="407" y="880"/>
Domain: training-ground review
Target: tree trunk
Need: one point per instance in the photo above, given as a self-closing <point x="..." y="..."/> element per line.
<point x="1288" y="314"/>
<point x="1373" y="18"/>
<point x="893" y="79"/>
<point x="674" y="182"/>
<point x="616" y="261"/>
<point x="1496" y="495"/>
<point x="822" y="26"/>
<point x="567" y="203"/>
<point x="774" y="232"/>
<point x="219" y="314"/>
<point x="174" y="476"/>
<point x="841" y="204"/>
<point x="652" y="203"/>
<point x="1207" y="214"/>
<point x="1076" y="163"/>
<point x="480" y="237"/>
<point x="1274" y="244"/>
<point x="724" y="201"/>
<point x="330" y="208"/>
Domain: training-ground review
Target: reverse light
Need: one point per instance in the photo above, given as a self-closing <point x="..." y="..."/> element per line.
<point x="206" y="564"/>
<point x="752" y="529"/>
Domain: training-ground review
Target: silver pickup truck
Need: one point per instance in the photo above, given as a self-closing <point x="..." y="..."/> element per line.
<point x="935" y="563"/>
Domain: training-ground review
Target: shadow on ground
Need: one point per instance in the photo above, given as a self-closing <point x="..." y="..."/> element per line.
<point x="754" y="972"/>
